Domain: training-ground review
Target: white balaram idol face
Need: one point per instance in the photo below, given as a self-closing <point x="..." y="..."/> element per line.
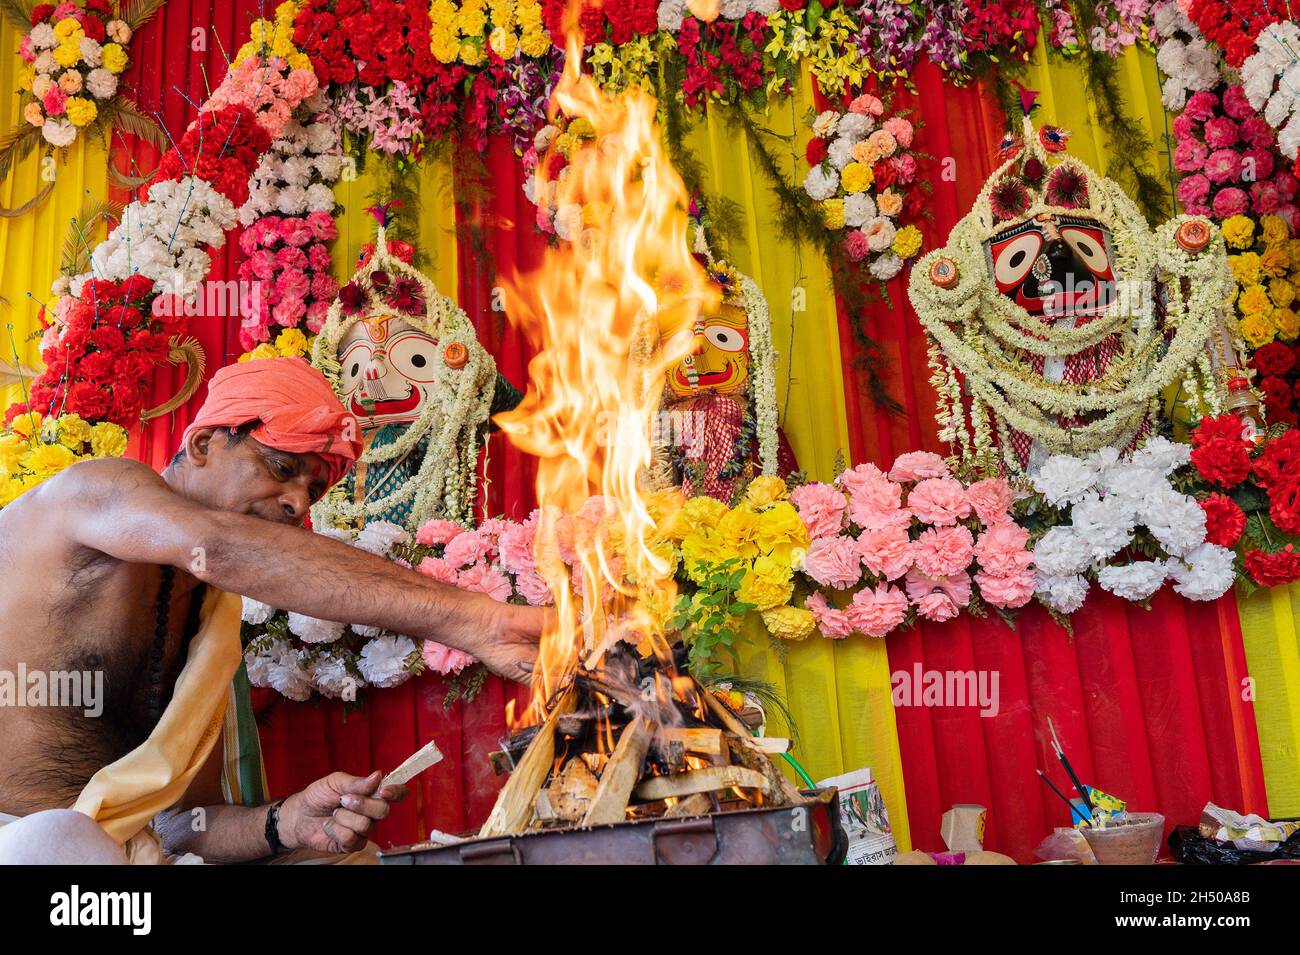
<point x="386" y="370"/>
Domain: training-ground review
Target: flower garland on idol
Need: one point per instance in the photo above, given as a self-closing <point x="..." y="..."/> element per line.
<point x="451" y="423"/>
<point x="863" y="179"/>
<point x="74" y="56"/>
<point x="988" y="351"/>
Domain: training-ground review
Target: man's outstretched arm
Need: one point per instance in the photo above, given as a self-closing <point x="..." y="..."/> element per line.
<point x="123" y="509"/>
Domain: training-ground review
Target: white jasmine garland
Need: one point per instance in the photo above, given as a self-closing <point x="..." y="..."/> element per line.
<point x="384" y="661"/>
<point x="1136" y="581"/>
<point x="314" y="630"/>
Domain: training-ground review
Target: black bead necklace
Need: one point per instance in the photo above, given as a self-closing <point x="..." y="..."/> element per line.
<point x="158" y="651"/>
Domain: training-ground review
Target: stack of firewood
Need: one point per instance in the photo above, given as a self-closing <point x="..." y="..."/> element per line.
<point x="631" y="739"/>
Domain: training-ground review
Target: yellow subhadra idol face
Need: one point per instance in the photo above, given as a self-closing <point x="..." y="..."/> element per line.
<point x="719" y="357"/>
<point x="386" y="370"/>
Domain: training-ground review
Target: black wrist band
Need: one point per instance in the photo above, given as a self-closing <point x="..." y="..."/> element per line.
<point x="273" y="828"/>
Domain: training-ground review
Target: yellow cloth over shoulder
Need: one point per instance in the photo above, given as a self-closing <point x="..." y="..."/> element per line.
<point x="124" y="796"/>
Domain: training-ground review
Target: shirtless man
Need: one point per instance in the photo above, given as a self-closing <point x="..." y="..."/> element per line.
<point x="83" y="559"/>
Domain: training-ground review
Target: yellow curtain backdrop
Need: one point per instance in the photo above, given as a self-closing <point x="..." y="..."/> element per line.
<point x="30" y="244"/>
<point x="435" y="218"/>
<point x="1269" y="627"/>
<point x="838" y="691"/>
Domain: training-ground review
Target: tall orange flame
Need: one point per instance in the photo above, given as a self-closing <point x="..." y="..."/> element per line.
<point x="594" y="387"/>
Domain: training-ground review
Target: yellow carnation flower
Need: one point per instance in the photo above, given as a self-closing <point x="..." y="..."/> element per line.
<point x="1275" y="229"/>
<point x="67" y="54"/>
<point x="1254" y="300"/>
<point x="702" y="551"/>
<point x="12" y="448"/>
<point x="699" y="514"/>
<point x="1245" y="268"/>
<point x="1238" y="232"/>
<point x="767" y="584"/>
<point x="68" y="29"/>
<point x="1281" y="292"/>
<point x="264" y="350"/>
<point x="27" y="424"/>
<point x="907" y="242"/>
<point x="107" y="440"/>
<point x="81" y="111"/>
<point x="856" y="177"/>
<point x="46" y="460"/>
<point x="291" y="342"/>
<point x="503" y="43"/>
<point x="833" y="213"/>
<point x="782" y="531"/>
<point x="789" y="623"/>
<point x="1288" y="323"/>
<point x="10" y="490"/>
<point x="1257" y="329"/>
<point x="114" y="58"/>
<point x="535" y="42"/>
<point x="764" y="490"/>
<point x="739" y="530"/>
<point x="70" y="430"/>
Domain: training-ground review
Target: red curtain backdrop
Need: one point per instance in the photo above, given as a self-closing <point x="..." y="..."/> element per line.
<point x="1147" y="704"/>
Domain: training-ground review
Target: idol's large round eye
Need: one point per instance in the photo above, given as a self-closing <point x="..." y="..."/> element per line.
<point x="352" y="364"/>
<point x="724" y="337"/>
<point x="1089" y="248"/>
<point x="413" y="355"/>
<point x="1017" y="257"/>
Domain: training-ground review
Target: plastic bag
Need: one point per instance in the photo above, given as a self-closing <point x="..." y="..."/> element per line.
<point x="1189" y="847"/>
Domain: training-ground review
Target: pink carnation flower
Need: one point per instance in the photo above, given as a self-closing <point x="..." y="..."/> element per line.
<point x="874" y="500"/>
<point x="438" y="569"/>
<point x="1192" y="191"/>
<point x="1235" y="103"/>
<point x="1003" y="549"/>
<point x="943" y="551"/>
<point x="886" y="551"/>
<point x="1189" y="155"/>
<point x="938" y="599"/>
<point x="443" y="659"/>
<point x="437" y="532"/>
<point x="1220" y="132"/>
<point x="1230" y="202"/>
<point x="856" y="245"/>
<point x="467" y="548"/>
<point x="939" y="501"/>
<point x="485" y="579"/>
<point x="1200" y="106"/>
<point x="833" y="562"/>
<point x="917" y="466"/>
<point x="532" y="587"/>
<point x="516" y="544"/>
<point x="991" y="498"/>
<point x="820" y="507"/>
<point x="1264" y="198"/>
<point x="868" y="105"/>
<point x="876" y="612"/>
<point x="831" y="622"/>
<point x="901" y="129"/>
<point x="1223" y="165"/>
<point x="1008" y="592"/>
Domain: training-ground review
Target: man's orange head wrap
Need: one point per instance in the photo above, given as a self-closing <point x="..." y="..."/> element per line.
<point x="298" y="411"/>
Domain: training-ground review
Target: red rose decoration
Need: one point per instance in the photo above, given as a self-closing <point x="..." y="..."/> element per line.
<point x="1224" y="520"/>
<point x="1223" y="461"/>
<point x="1273" y="570"/>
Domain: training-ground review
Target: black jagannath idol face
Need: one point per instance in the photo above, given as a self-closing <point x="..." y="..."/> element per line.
<point x="1054" y="266"/>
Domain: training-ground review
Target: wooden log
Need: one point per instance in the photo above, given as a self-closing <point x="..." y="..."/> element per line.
<point x="620" y="775"/>
<point x="781" y="791"/>
<point x="702" y="781"/>
<point x="424" y="757"/>
<point x="771" y="745"/>
<point x="696" y="804"/>
<point x="514" y="806"/>
<point x="703" y="740"/>
<point x="571" y="792"/>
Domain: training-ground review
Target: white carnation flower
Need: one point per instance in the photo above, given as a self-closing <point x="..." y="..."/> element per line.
<point x="1103" y="526"/>
<point x="91" y="51"/>
<point x="855" y="126"/>
<point x="670" y="15"/>
<point x="43" y="37"/>
<point x="825" y="124"/>
<point x="1162" y="455"/>
<point x="314" y="630"/>
<point x="733" y="9"/>
<point x="1175" y="520"/>
<point x="886" y="266"/>
<point x="101" y="83"/>
<point x="568" y="221"/>
<point x="766" y="7"/>
<point x="1063" y="594"/>
<point x="383" y="661"/>
<point x="859" y="209"/>
<point x="1063" y="479"/>
<point x="256" y="612"/>
<point x="379" y="537"/>
<point x="1205" y="573"/>
<point x="820" y="183"/>
<point x="331" y="675"/>
<point x="278" y="666"/>
<point x="840" y="152"/>
<point x="362" y="630"/>
<point x="1061" y="553"/>
<point x="58" y="132"/>
<point x="1136" y="581"/>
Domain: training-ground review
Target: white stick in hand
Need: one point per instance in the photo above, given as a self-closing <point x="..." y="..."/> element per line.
<point x="426" y="756"/>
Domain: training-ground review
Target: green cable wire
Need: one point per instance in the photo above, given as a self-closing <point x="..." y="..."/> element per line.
<point x="800" y="770"/>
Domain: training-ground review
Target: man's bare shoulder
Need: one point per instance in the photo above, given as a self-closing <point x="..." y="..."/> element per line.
<point x="103" y="476"/>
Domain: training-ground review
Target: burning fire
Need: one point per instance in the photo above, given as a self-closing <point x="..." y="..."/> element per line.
<point x="596" y="382"/>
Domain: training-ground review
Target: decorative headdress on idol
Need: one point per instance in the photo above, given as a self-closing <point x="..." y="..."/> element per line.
<point x="1057" y="316"/>
<point x="720" y="428"/>
<point x="404" y="358"/>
